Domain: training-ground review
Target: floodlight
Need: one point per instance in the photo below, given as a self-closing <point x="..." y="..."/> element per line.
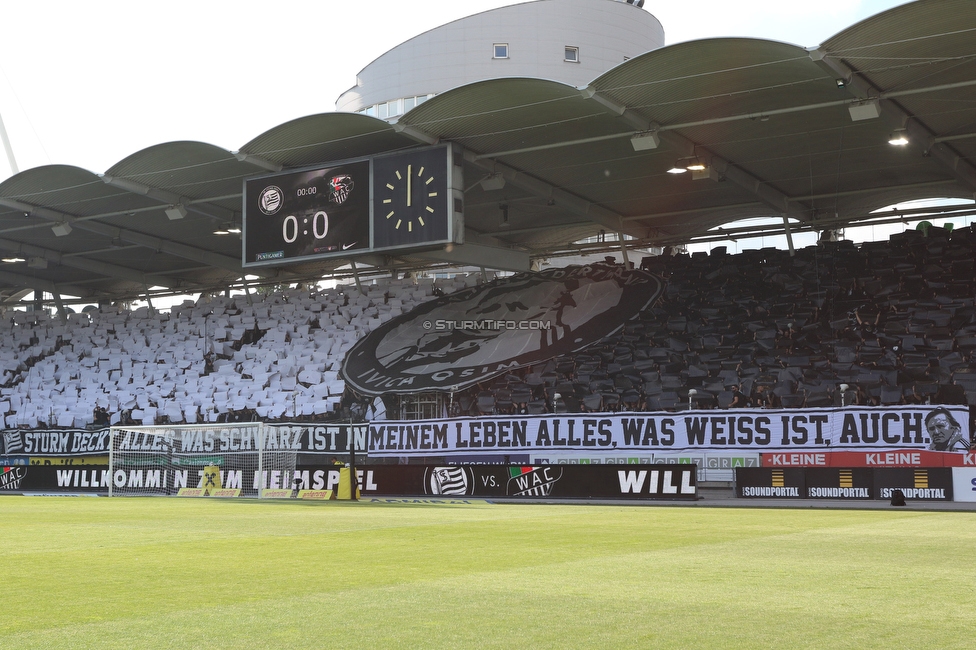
<point x="61" y="229"/>
<point x="867" y="110"/>
<point x="493" y="182"/>
<point x="645" y="141"/>
<point x="898" y="138"/>
<point x="175" y="212"/>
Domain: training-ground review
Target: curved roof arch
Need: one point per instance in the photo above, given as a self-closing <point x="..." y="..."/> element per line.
<point x="782" y="131"/>
<point x="40" y="181"/>
<point x="323" y="137"/>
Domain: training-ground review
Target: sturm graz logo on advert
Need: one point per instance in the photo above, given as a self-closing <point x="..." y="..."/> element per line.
<point x="453" y="480"/>
<point x="270" y="200"/>
<point x="577" y="305"/>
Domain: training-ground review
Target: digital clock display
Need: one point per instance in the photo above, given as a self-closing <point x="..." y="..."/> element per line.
<point x="410" y="198"/>
<point x="307" y="214"/>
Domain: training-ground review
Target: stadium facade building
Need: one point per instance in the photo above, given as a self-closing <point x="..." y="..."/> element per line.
<point x="571" y="41"/>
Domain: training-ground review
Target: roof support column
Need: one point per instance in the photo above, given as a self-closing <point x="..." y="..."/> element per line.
<point x="623" y="249"/>
<point x="355" y="276"/>
<point x="145" y="288"/>
<point x="247" y="291"/>
<point x="62" y="314"/>
<point x="789" y="235"/>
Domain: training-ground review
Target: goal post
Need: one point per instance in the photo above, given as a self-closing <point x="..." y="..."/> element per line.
<point x="232" y="459"/>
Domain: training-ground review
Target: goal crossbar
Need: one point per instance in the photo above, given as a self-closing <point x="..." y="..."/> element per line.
<point x="162" y="459"/>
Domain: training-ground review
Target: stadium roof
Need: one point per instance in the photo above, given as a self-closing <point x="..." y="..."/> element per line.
<point x="774" y="124"/>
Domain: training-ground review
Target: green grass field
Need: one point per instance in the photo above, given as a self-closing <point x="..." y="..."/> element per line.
<point x="182" y="573"/>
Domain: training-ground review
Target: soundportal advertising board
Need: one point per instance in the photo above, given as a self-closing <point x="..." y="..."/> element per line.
<point x="916" y="484"/>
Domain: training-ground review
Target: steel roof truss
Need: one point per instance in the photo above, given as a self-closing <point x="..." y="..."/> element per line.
<point x="165" y="197"/>
<point x="38" y="284"/>
<point x="112" y="232"/>
<point x="93" y="266"/>
<point x="918" y="132"/>
<point x="686" y="147"/>
<point x="564" y="199"/>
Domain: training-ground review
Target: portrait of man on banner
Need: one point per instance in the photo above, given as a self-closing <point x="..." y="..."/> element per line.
<point x="945" y="431"/>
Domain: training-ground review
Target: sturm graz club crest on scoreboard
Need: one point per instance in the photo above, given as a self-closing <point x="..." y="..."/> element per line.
<point x="466" y="337"/>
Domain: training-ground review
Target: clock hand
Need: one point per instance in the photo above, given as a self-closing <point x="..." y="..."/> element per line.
<point x="409" y="186"/>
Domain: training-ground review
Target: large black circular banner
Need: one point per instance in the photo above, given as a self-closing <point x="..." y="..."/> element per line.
<point x="461" y="339"/>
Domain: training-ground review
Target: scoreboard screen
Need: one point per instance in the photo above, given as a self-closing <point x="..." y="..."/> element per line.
<point x="410" y="199"/>
<point x="307" y="214"/>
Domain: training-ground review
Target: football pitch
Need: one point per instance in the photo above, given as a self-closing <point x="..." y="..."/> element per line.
<point x="182" y="573"/>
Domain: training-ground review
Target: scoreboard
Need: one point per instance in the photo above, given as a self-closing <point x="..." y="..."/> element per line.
<point x="408" y="200"/>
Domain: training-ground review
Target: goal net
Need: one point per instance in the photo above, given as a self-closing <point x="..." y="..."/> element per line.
<point x="197" y="460"/>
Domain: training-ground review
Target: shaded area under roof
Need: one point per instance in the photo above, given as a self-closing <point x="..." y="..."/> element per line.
<point x="772" y="122"/>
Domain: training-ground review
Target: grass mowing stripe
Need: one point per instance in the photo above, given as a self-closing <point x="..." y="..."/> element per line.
<point x="170" y="572"/>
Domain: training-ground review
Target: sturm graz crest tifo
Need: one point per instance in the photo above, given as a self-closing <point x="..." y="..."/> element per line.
<point x="466" y="337"/>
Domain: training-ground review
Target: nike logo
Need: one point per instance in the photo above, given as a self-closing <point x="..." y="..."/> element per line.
<point x="346" y="247"/>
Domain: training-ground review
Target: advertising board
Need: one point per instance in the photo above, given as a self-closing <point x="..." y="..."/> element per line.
<point x="917" y="484"/>
<point x="481" y="481"/>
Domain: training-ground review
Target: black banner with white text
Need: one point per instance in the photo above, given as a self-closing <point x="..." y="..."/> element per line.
<point x="298" y="437"/>
<point x="482" y="481"/>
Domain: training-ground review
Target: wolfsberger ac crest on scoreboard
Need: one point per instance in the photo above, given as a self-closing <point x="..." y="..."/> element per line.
<point x="410" y="199"/>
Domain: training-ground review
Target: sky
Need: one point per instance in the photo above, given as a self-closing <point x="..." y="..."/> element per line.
<point x="90" y="83"/>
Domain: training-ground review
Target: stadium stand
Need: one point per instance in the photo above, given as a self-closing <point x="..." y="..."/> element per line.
<point x="893" y="321"/>
<point x="268" y="357"/>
